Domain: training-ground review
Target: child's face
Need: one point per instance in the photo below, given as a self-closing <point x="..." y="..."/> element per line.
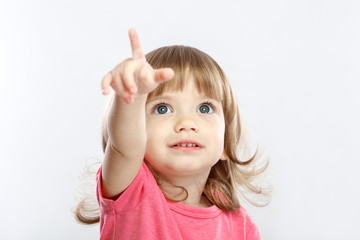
<point x="184" y="117"/>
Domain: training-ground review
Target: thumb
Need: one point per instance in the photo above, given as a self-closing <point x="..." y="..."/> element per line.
<point x="163" y="74"/>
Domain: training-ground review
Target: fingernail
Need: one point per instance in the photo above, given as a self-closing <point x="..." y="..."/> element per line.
<point x="133" y="90"/>
<point x="128" y="99"/>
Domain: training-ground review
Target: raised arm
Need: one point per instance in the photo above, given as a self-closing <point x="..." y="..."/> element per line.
<point x="131" y="81"/>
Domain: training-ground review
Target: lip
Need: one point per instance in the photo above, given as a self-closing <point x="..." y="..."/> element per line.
<point x="186" y="141"/>
<point x="177" y="145"/>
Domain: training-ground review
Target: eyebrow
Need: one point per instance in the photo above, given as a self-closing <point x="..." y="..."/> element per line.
<point x="170" y="96"/>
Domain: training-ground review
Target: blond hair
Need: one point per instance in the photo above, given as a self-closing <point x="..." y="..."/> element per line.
<point x="228" y="177"/>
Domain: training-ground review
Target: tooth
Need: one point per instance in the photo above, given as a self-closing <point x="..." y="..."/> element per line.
<point x="183" y="144"/>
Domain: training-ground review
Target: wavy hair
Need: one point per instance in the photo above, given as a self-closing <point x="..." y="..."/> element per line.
<point x="228" y="180"/>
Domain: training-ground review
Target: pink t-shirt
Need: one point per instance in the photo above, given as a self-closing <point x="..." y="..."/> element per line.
<point x="142" y="212"/>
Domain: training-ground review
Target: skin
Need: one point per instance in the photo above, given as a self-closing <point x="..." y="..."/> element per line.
<point x="138" y="130"/>
<point x="188" y="167"/>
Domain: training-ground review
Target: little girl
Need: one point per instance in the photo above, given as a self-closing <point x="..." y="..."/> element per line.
<point x="171" y="138"/>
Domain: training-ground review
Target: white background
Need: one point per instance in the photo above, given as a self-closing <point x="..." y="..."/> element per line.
<point x="294" y="66"/>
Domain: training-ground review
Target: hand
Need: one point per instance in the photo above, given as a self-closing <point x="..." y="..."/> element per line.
<point x="134" y="76"/>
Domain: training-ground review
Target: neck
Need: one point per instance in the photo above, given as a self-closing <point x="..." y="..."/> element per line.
<point x="174" y="188"/>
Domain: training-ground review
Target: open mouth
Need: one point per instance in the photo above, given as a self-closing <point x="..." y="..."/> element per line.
<point x="186" y="145"/>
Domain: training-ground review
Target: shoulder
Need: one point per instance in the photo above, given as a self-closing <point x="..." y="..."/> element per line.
<point x="244" y="221"/>
<point x="143" y="185"/>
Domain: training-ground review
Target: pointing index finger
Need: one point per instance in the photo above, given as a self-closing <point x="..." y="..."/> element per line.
<point x="137" y="50"/>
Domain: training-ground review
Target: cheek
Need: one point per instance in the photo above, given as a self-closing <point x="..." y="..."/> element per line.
<point x="154" y="132"/>
<point x="220" y="134"/>
<point x="155" y="138"/>
<point x="151" y="138"/>
<point x="218" y="127"/>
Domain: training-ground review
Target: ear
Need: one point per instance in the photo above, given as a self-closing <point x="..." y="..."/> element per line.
<point x="224" y="156"/>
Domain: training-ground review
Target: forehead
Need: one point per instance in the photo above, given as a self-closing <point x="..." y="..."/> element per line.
<point x="190" y="65"/>
<point x="188" y="93"/>
<point x="206" y="87"/>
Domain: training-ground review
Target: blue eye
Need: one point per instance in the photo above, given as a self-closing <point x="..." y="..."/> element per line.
<point x="161" y="109"/>
<point x="206" y="108"/>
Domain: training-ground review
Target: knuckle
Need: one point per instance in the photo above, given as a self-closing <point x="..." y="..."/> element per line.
<point x="144" y="75"/>
<point x="126" y="65"/>
<point x="126" y="69"/>
<point x="127" y="62"/>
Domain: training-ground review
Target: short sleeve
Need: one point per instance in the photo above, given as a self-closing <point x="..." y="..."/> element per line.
<point x="252" y="231"/>
<point x="131" y="197"/>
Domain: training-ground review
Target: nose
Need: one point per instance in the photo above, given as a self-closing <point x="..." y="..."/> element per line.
<point x="186" y="124"/>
